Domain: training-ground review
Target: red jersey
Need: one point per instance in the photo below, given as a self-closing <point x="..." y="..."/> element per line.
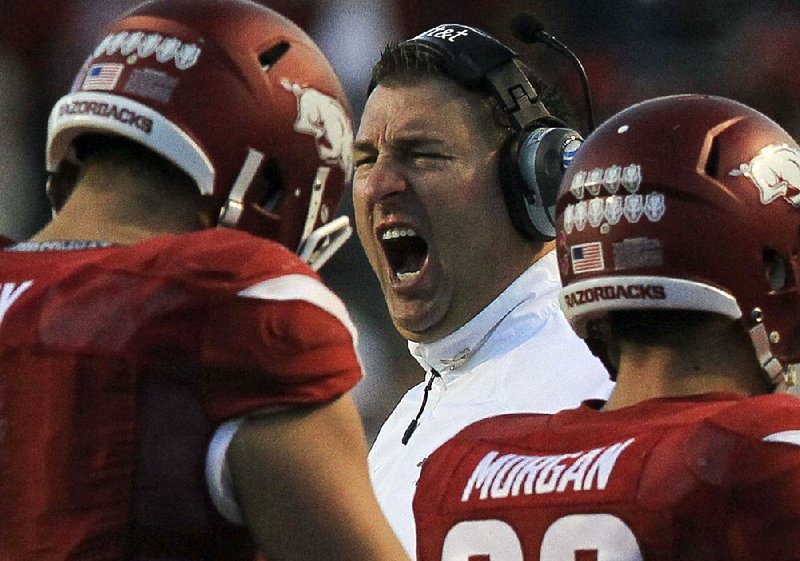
<point x="116" y="365"/>
<point x="711" y="477"/>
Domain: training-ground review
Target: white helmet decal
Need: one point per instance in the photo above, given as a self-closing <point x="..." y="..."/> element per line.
<point x="324" y="118"/>
<point x="775" y="171"/>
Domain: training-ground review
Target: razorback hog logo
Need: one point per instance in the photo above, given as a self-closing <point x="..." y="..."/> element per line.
<point x="324" y="118"/>
<point x="616" y="292"/>
<point x="775" y="171"/>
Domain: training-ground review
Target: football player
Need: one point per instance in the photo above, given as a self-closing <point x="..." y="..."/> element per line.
<point x="679" y="233"/>
<point x="174" y="377"/>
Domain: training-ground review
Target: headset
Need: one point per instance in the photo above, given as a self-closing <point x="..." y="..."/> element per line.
<point x="533" y="159"/>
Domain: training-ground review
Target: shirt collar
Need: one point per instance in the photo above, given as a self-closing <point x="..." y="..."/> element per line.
<point x="453" y="352"/>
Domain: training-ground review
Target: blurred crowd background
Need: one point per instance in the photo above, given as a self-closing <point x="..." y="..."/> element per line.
<point x="632" y="50"/>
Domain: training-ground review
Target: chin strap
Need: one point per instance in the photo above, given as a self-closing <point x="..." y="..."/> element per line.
<point x="783" y="378"/>
<point x="790" y="383"/>
<point x="323" y="242"/>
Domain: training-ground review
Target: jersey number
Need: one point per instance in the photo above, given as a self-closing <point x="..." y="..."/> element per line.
<point x="578" y="537"/>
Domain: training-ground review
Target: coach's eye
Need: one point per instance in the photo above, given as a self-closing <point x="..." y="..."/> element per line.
<point x="428" y="156"/>
<point x="364" y="159"/>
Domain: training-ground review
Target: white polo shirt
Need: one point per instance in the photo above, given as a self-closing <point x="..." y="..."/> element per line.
<point x="517" y="355"/>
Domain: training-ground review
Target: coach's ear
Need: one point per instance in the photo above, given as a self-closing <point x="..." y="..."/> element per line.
<point x="61" y="183"/>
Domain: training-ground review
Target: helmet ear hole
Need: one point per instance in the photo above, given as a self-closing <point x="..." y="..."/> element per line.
<point x="272" y="186"/>
<point x="777" y="270"/>
<point x="268" y="58"/>
<point x="712" y="160"/>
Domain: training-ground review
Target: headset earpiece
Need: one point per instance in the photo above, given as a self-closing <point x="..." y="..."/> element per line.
<point x="533" y="160"/>
<point x="542" y="156"/>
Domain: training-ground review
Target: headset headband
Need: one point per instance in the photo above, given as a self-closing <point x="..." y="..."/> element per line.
<point x="478" y="61"/>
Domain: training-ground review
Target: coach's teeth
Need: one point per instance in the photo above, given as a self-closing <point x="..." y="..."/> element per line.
<point x="393" y="233"/>
<point x="408" y="276"/>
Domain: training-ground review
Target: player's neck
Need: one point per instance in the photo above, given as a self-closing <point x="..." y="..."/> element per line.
<point x="123" y="209"/>
<point x="718" y="360"/>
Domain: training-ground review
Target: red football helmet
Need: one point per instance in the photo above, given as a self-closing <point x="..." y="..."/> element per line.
<point x="235" y="95"/>
<point x="687" y="202"/>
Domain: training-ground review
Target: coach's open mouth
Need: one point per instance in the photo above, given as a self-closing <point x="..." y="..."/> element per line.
<point x="406" y="252"/>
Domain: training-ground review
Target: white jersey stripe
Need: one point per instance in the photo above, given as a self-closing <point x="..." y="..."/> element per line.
<point x="307" y="289"/>
<point x="787" y="437"/>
